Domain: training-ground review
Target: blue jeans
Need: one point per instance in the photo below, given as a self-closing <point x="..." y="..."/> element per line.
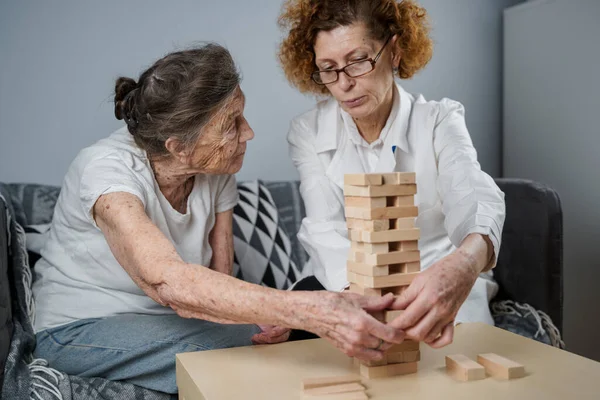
<point x="139" y="349"/>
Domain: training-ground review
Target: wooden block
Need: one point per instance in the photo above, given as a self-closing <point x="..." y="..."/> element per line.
<point x="501" y="367"/>
<point x="380" y="191"/>
<point x="395" y="257"/>
<point x="339" y="396"/>
<point x="363" y="179"/>
<point x="398" y="178"/>
<point x="391" y="315"/>
<point x="410" y="245"/>
<point x="403" y="357"/>
<point x="371" y="363"/>
<point x="411" y="356"/>
<point x="404" y="268"/>
<point x="365" y="291"/>
<point x="370" y="248"/>
<point x="394" y="235"/>
<point x="332" y="389"/>
<point x="396" y="201"/>
<point x="368" y="202"/>
<point x="401" y="223"/>
<point x="378" y="315"/>
<point x="388" y="370"/>
<point x="405" y="346"/>
<point x="463" y="368"/>
<point x="381" y="212"/>
<point x="368" y="270"/>
<point x="374" y="225"/>
<point x="378" y="282"/>
<point x="394" y="358"/>
<point x="308" y="383"/>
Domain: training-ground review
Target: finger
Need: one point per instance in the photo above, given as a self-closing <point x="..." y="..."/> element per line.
<point x="446" y="338"/>
<point x="369" y="354"/>
<point x="436" y="331"/>
<point x="374" y="303"/>
<point x="383" y="331"/>
<point x="365" y="349"/>
<point x="405" y="298"/>
<point x="416" y="310"/>
<point x="277" y="331"/>
<point x="264" y="338"/>
<point x="258" y="338"/>
<point x="422" y="329"/>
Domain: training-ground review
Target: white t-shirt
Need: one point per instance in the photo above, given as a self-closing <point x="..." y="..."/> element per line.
<point x="78" y="277"/>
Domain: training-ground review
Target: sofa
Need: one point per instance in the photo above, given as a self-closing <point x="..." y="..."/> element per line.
<point x="267" y="252"/>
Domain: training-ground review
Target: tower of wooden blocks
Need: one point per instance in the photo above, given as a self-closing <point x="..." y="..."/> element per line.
<point x="384" y="255"/>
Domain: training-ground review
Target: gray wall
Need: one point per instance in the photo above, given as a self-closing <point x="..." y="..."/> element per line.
<point x="59" y="61"/>
<point x="551" y="134"/>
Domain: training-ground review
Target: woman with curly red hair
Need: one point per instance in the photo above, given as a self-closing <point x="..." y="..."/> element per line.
<point x="352" y="51"/>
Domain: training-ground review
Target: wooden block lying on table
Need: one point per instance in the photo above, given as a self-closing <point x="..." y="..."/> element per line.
<point x="395" y="257"/>
<point x="501" y="367"/>
<point x="393" y="235"/>
<point x="363" y="179"/>
<point x="332" y="389"/>
<point x="383" y="213"/>
<point x="308" y="383"/>
<point x="370" y="248"/>
<point x="365" y="291"/>
<point x="380" y="191"/>
<point x="378" y="282"/>
<point x="338" y="396"/>
<point x="368" y="202"/>
<point x="388" y="370"/>
<point x="368" y="270"/>
<point x="463" y="368"/>
<point x="374" y="225"/>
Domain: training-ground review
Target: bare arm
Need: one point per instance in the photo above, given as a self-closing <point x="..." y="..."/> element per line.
<point x="221" y="242"/>
<point x="193" y="291"/>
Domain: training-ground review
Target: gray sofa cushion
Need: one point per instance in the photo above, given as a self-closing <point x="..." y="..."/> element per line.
<point x="530" y="263"/>
<point x="6" y="325"/>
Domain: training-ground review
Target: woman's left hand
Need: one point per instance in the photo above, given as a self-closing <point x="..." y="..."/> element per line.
<point x="432" y="300"/>
<point x="271" y="334"/>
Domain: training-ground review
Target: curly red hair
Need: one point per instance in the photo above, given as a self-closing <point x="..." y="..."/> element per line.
<point x="304" y="19"/>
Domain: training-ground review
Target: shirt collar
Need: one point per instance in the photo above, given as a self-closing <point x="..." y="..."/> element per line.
<point x="333" y="121"/>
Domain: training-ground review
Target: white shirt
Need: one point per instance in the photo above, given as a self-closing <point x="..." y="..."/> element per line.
<point x="78" y="277"/>
<point x="454" y="196"/>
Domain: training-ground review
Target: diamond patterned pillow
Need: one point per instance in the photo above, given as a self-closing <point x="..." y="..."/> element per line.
<point x="262" y="248"/>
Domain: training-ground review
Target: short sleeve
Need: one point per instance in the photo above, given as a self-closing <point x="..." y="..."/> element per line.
<point x="227" y="194"/>
<point x="107" y="175"/>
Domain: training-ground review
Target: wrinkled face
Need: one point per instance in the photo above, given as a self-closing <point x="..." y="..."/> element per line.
<point x="361" y="96"/>
<point x="222" y="144"/>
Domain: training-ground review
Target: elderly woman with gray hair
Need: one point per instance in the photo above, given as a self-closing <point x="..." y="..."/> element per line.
<point x="137" y="265"/>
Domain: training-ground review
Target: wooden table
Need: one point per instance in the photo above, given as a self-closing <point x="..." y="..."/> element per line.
<point x="276" y="371"/>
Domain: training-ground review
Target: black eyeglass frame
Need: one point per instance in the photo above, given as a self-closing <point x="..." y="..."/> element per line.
<point x="315" y="76"/>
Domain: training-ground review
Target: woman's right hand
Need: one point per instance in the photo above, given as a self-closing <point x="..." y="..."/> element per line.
<point x="344" y="320"/>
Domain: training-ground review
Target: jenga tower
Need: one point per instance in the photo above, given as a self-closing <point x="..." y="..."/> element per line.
<point x="384" y="256"/>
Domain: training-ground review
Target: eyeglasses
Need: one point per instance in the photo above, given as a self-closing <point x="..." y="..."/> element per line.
<point x="353" y="70"/>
